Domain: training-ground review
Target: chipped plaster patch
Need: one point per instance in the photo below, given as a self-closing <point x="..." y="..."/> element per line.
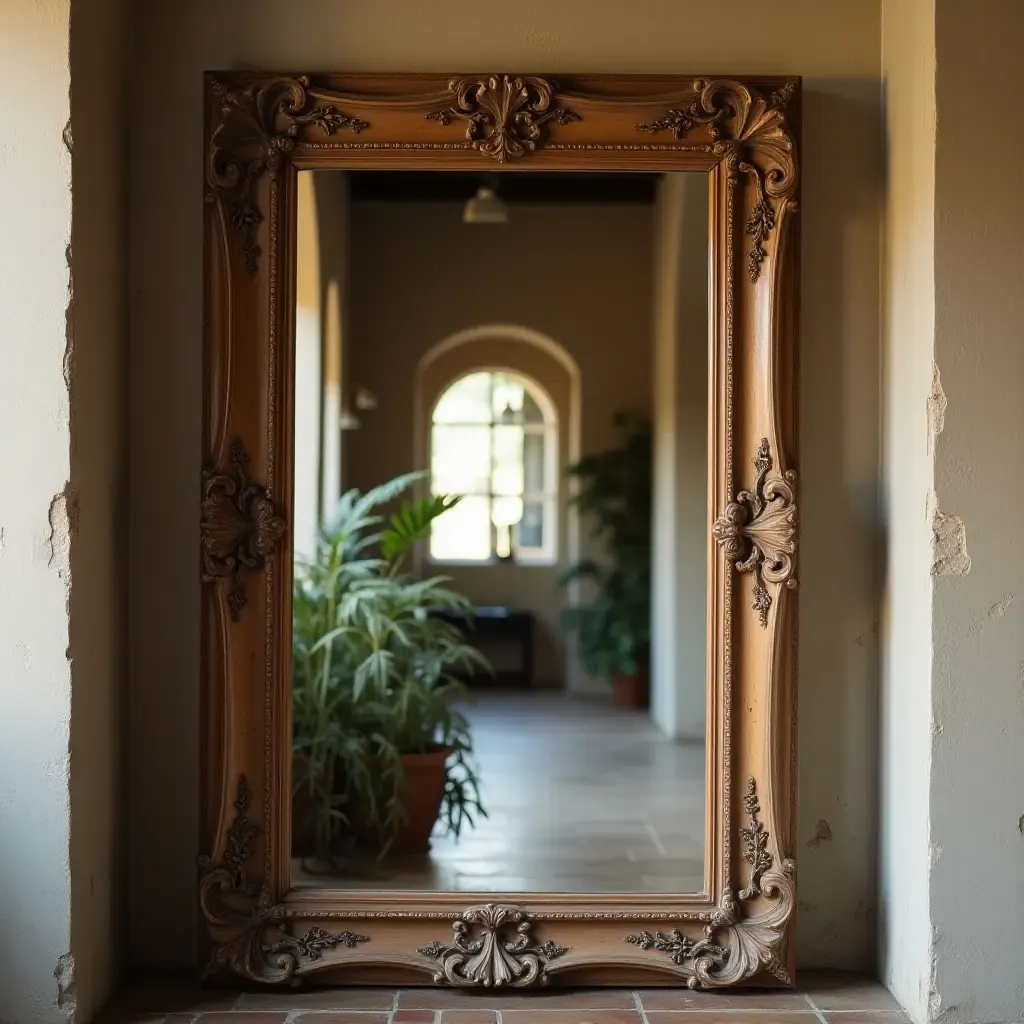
<point x="949" y="546"/>
<point x="998" y="610"/>
<point x="936" y="408"/>
<point x="822" y="834"/>
<point x="63" y="519"/>
<point x="64" y="972"/>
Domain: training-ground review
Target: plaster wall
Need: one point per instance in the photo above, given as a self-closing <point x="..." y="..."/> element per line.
<point x="96" y="368"/>
<point x="580" y="275"/>
<point x="977" y="716"/>
<point x="35" y="523"/>
<point x="836" y="47"/>
<point x="680" y="430"/>
<point x="908" y="68"/>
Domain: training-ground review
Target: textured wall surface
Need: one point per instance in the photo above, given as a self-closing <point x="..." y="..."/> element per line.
<point x="977" y="759"/>
<point x="837" y="49"/>
<point x="37" y="514"/>
<point x="908" y="66"/>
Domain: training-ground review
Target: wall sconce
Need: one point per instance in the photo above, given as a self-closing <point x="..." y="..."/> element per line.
<point x="360" y="398"/>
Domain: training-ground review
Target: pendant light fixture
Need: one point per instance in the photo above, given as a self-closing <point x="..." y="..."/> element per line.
<point x="486" y="207"/>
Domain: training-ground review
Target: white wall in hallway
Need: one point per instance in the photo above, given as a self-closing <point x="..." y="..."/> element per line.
<point x="681" y="530"/>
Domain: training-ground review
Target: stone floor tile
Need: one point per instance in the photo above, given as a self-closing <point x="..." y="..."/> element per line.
<point x="842" y="990"/>
<point x="415" y="1017"/>
<point x="320" y="999"/>
<point x="741" y="999"/>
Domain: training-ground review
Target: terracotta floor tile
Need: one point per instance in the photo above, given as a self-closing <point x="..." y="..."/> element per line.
<point x="840" y="990"/>
<point x="340" y="1017"/>
<point x="504" y="999"/>
<point x="731" y="1017"/>
<point x="571" y="1017"/>
<point x="866" y="1017"/>
<point x="468" y="1017"/>
<point x="256" y="1017"/>
<point x="744" y="999"/>
<point x="320" y="999"/>
<point x="415" y="1017"/>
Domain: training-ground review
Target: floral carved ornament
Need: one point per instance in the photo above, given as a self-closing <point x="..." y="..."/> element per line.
<point x="758" y="531"/>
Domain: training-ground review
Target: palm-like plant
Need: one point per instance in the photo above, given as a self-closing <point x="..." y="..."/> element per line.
<point x="615" y="495"/>
<point x="375" y="672"/>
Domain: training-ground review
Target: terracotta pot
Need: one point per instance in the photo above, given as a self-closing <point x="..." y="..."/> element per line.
<point x="422" y="794"/>
<point x="632" y="691"/>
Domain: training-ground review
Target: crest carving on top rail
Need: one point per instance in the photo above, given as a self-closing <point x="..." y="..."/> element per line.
<point x="751" y="131"/>
<point x="758" y="531"/>
<point x="736" y="945"/>
<point x="257" y="125"/>
<point x="503" y="114"/>
<point x="239" y="527"/>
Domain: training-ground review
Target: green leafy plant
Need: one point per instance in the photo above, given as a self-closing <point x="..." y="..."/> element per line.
<point x="375" y="673"/>
<point x="615" y="493"/>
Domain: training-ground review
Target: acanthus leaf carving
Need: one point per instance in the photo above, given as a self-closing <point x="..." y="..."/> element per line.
<point x="239" y="527"/>
<point x="257" y="126"/>
<point x="503" y="114"/>
<point x="491" y="947"/>
<point x="312" y="943"/>
<point x="754" y="132"/>
<point x="758" y="531"/>
<point x="736" y="946"/>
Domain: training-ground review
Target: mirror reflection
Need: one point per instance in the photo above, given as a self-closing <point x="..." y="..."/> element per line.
<point x="500" y="532"/>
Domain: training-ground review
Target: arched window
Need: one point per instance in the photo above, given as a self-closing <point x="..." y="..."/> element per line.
<point x="493" y="442"/>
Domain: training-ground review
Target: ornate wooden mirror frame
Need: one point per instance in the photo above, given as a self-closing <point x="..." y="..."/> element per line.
<point x="261" y="129"/>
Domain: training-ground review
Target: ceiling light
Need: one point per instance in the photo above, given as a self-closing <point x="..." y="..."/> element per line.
<point x="485" y="208"/>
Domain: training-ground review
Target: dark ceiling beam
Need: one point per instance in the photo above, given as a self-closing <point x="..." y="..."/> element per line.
<point x="519" y="186"/>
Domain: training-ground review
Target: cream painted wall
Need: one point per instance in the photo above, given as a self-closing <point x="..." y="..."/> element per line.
<point x="681" y="531"/>
<point x="977" y="759"/>
<point x="62" y="458"/>
<point x="836" y="47"/>
<point x="97" y="368"/>
<point x="309" y="350"/>
<point x="579" y="274"/>
<point x="35" y="566"/>
<point x="908" y="67"/>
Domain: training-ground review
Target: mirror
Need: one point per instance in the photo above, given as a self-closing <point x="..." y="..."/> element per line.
<point x="500" y="532"/>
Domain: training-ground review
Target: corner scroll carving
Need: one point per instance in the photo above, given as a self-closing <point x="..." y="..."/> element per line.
<point x="503" y="115"/>
<point x="491" y="947"/>
<point x="753" y="132"/>
<point x="758" y="531"/>
<point x="257" y="126"/>
<point x="239" y="528"/>
<point x="736" y="947"/>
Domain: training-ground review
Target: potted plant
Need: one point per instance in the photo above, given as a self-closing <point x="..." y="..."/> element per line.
<point x="381" y="747"/>
<point x="613" y="628"/>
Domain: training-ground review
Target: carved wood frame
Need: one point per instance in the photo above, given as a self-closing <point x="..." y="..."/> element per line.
<point x="260" y="130"/>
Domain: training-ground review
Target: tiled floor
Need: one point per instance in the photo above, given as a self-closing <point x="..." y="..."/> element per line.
<point x="823" y="998"/>
<point x="581" y="797"/>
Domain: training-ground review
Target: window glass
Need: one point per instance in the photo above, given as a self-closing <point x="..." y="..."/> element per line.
<point x="493" y="445"/>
